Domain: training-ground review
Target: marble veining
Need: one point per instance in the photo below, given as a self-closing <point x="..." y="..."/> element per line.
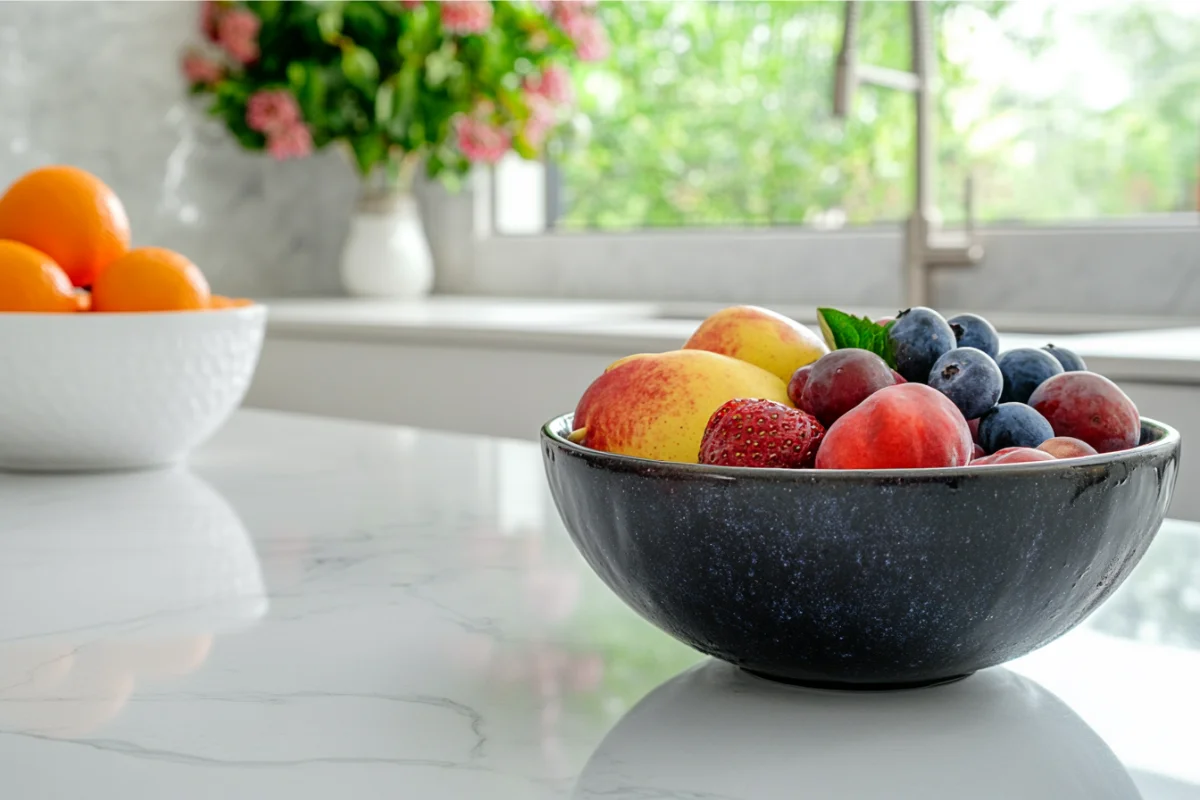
<point x="317" y="609"/>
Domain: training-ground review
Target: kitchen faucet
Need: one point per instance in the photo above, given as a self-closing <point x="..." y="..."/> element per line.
<point x="925" y="246"/>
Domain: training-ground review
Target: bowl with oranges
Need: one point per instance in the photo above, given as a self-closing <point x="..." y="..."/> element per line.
<point x="112" y="357"/>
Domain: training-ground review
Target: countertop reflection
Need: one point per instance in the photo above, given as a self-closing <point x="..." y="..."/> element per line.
<point x="108" y="580"/>
<point x="331" y="609"/>
<point x="717" y="732"/>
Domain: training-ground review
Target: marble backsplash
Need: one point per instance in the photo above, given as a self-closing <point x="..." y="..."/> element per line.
<point x="97" y="84"/>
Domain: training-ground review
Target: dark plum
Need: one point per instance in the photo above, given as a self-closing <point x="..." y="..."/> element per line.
<point x="1014" y="455"/>
<point x="1091" y="408"/>
<point x="841" y="380"/>
<point x="970" y="378"/>
<point x="1067" y="447"/>
<point x="797" y="383"/>
<point x="1024" y="370"/>
<point x="1013" y="425"/>
<point x="919" y="337"/>
<point x="1070" y="360"/>
<point x="972" y="330"/>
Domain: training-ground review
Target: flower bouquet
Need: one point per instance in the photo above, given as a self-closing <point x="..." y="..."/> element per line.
<point x="443" y="84"/>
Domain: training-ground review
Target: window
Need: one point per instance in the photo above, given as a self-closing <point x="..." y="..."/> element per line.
<point x="707" y="141"/>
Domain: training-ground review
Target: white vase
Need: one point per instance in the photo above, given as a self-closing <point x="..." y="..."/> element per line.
<point x="387" y="253"/>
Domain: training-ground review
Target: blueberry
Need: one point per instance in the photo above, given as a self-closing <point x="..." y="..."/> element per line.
<point x="1070" y="360"/>
<point x="1012" y="425"/>
<point x="973" y="330"/>
<point x="970" y="378"/>
<point x="919" y="337"/>
<point x="1024" y="369"/>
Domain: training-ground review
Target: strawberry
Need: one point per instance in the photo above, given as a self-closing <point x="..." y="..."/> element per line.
<point x="760" y="433"/>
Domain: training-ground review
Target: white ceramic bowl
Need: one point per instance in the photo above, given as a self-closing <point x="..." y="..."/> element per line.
<point x="120" y="391"/>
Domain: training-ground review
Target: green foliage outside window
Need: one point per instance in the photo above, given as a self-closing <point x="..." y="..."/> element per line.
<point x="719" y="114"/>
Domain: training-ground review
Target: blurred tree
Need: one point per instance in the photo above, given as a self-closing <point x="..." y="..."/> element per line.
<point x="718" y="113"/>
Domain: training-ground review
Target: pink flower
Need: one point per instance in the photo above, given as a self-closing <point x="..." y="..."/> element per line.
<point x="292" y="142"/>
<point x="480" y="140"/>
<point x="465" y="17"/>
<point x="199" y="68"/>
<point x="542" y="118"/>
<point x="271" y="111"/>
<point x="209" y="13"/>
<point x="237" y="32"/>
<point x="591" y="40"/>
<point x="554" y="84"/>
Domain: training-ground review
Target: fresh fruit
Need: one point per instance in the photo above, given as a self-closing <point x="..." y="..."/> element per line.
<point x="1067" y="447"/>
<point x="797" y="383"/>
<point x="972" y="330"/>
<point x="1070" y="360"/>
<point x="151" y="279"/>
<point x="1013" y="455"/>
<point x="905" y="426"/>
<point x="977" y="452"/>
<point x="1012" y="425"/>
<point x="31" y="281"/>
<point x="83" y="300"/>
<point x="973" y="424"/>
<point x="1024" y="369"/>
<point x="760" y="433"/>
<point x="761" y="337"/>
<point x="218" y="301"/>
<point x="1091" y="408"/>
<point x="842" y="380"/>
<point x="970" y="378"/>
<point x="919" y="337"/>
<point x="71" y="216"/>
<point x="658" y="405"/>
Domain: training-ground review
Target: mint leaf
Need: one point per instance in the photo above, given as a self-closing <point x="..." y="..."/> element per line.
<point x="842" y="330"/>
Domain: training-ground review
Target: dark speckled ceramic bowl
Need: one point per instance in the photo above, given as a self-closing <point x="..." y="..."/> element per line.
<point x="863" y="579"/>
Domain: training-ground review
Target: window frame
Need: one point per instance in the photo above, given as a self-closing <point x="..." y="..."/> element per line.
<point x="1138" y="267"/>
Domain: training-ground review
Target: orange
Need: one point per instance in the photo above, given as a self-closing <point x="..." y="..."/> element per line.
<point x="31" y="281"/>
<point x="151" y="279"/>
<point x="221" y="301"/>
<point x="71" y="216"/>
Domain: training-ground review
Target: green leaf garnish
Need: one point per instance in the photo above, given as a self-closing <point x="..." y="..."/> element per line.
<point x="842" y="330"/>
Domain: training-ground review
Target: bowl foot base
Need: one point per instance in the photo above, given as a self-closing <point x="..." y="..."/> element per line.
<point x="843" y="686"/>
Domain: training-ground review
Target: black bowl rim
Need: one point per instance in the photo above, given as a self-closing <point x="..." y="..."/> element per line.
<point x="1166" y="439"/>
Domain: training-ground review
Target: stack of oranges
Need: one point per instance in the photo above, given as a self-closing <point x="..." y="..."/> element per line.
<point x="64" y="247"/>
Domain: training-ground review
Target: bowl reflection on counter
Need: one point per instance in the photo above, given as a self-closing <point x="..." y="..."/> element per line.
<point x="715" y="731"/>
<point x="109" y="579"/>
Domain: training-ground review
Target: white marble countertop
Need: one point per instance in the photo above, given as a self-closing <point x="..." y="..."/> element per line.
<point x="321" y="609"/>
<point x="1123" y="348"/>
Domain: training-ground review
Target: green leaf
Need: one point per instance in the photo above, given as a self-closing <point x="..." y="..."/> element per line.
<point x="369" y="150"/>
<point x="267" y="10"/>
<point x="384" y="102"/>
<point x="360" y="67"/>
<point x="329" y="23"/>
<point x="842" y="330"/>
<point x="297" y="74"/>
